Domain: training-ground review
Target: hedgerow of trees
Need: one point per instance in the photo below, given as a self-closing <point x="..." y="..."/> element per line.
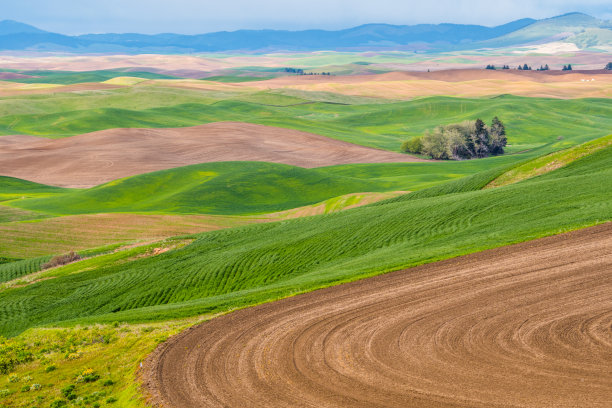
<point x="299" y="71"/>
<point x="494" y="67"/>
<point x="460" y="141"/>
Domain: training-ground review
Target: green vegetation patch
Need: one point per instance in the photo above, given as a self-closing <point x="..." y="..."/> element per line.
<point x="242" y="266"/>
<point x="211" y="188"/>
<point x="529" y="121"/>
<point x="77" y="77"/>
<point x="90" y="366"/>
<point x="550" y="162"/>
<point x="17" y="269"/>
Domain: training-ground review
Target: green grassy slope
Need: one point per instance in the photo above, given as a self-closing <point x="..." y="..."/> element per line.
<point x="550" y="162"/>
<point x="531" y="122"/>
<point x="11" y="187"/>
<point x="212" y="188"/>
<point x="417" y="176"/>
<point x="242" y="266"/>
<point x="134" y="98"/>
<point x="77" y="77"/>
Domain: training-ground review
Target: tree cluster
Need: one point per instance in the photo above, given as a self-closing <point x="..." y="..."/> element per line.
<point x="494" y="67"/>
<point x="567" y="67"/>
<point x="317" y="73"/>
<point x="525" y="67"/>
<point x="300" y="71"/>
<point x="608" y="66"/>
<point x="459" y="141"/>
<point x="544" y="68"/>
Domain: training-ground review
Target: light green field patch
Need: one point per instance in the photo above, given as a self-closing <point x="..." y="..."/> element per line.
<point x="550" y="162"/>
<point x="125" y="81"/>
<point x="230" y="188"/>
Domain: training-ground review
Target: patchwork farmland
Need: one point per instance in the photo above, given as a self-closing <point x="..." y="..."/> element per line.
<point x="248" y="229"/>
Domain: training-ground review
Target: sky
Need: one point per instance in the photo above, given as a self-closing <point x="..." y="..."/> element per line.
<point x="202" y="16"/>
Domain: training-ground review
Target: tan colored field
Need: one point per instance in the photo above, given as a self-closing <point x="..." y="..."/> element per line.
<point x="94" y="158"/>
<point x="408" y="85"/>
<point x="459" y="83"/>
<point x="78" y="232"/>
<point x="526" y="325"/>
<point x="18" y="89"/>
<point x="181" y="65"/>
<point x="554" y="54"/>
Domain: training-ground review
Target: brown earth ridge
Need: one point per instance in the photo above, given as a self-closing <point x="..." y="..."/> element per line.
<point x="95" y="158"/>
<point x="523" y="325"/>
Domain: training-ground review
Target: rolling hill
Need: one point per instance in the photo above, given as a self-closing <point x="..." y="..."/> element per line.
<point x="211" y="188"/>
<point x="567" y="27"/>
<point x="241" y="266"/>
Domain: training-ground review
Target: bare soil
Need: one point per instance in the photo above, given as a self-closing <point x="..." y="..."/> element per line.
<point x="94" y="158"/>
<point x="527" y="325"/>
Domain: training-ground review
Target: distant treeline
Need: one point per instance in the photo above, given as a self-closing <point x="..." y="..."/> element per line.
<point x="299" y="71"/>
<point x="526" y="67"/>
<point x="467" y="140"/>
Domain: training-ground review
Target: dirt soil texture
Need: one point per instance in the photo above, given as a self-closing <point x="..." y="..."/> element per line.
<point x="94" y="158"/>
<point x="527" y="325"/>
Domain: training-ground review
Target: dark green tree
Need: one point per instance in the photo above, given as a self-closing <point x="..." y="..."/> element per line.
<point x="498" y="139"/>
<point x="608" y="66"/>
<point x="481" y="139"/>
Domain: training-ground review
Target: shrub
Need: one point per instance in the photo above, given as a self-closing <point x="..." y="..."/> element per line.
<point x="414" y="145"/>
<point x="58" y="404"/>
<point x="108" y="383"/>
<point x="435" y="144"/>
<point x="60" y="260"/>
<point x="50" y="368"/>
<point x="13" y="354"/>
<point x="68" y="392"/>
<point x="91" y="378"/>
<point x="110" y="400"/>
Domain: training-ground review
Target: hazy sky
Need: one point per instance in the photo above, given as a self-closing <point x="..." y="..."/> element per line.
<point x="200" y="16"/>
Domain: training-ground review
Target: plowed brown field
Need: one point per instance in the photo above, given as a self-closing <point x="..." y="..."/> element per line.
<point x="94" y="158"/>
<point x="528" y="325"/>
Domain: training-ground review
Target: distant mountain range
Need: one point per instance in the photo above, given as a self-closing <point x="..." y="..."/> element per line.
<point x="581" y="29"/>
